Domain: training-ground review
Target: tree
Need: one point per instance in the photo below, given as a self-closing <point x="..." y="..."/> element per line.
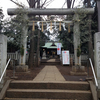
<point x="13" y="28"/>
<point x="89" y="4"/>
<point x="66" y="39"/>
<point x="1" y="22"/>
<point x="32" y="4"/>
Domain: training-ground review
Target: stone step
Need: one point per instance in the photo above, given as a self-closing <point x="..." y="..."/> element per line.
<point x="66" y="85"/>
<point x="34" y="99"/>
<point x="50" y="62"/>
<point x="49" y="94"/>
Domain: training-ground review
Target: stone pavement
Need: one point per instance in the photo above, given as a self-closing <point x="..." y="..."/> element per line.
<point x="49" y="73"/>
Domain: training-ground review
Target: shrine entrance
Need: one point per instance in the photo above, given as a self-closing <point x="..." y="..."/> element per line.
<point x="75" y="22"/>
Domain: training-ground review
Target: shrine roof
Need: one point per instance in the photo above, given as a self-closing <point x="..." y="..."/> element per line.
<point x="51" y="45"/>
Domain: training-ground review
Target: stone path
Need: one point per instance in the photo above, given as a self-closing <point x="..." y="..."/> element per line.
<point x="49" y="73"/>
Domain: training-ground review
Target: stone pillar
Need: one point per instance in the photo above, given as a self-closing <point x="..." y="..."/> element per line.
<point x="24" y="41"/>
<point x="22" y="67"/>
<point x="3" y="55"/>
<point x="77" y="69"/>
<point x="97" y="56"/>
<point x="76" y="38"/>
<point x="98" y="8"/>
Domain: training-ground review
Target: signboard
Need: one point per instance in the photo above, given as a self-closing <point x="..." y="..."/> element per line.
<point x="58" y="48"/>
<point x="65" y="57"/>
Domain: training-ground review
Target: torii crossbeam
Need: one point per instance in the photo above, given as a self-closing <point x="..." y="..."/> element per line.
<point x="64" y="11"/>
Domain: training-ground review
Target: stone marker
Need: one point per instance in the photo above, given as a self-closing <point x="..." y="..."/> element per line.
<point x="97" y="56"/>
<point x="3" y="55"/>
<point x="44" y="55"/>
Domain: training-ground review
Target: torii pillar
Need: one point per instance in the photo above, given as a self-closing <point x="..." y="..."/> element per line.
<point x="24" y="40"/>
<point x="76" y="30"/>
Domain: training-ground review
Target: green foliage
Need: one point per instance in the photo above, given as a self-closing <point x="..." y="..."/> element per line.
<point x="21" y="17"/>
<point x="66" y="39"/>
<point x="12" y="47"/>
<point x="43" y="38"/>
<point x="13" y="28"/>
<point x="92" y="3"/>
<point x="12" y="31"/>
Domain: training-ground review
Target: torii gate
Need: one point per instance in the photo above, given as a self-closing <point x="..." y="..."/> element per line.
<point x="32" y="11"/>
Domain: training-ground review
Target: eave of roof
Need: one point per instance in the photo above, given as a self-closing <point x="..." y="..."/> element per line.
<point x="48" y="45"/>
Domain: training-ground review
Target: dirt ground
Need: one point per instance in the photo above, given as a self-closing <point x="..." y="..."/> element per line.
<point x="31" y="74"/>
<point x="65" y="71"/>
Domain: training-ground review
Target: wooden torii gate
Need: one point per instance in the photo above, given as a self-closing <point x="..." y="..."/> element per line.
<point x="32" y="11"/>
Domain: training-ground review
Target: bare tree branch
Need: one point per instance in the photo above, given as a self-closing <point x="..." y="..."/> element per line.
<point x="38" y="3"/>
<point x="73" y="3"/>
<point x="64" y="4"/>
<point x="17" y="3"/>
<point x="43" y="3"/>
<point x="48" y="2"/>
<point x="32" y="3"/>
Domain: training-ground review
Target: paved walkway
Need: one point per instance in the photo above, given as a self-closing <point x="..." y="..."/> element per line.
<point x="49" y="73"/>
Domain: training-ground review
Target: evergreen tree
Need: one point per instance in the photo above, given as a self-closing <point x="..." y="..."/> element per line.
<point x="1" y="22"/>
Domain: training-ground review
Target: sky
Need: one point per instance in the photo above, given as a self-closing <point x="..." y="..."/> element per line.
<point x="5" y="4"/>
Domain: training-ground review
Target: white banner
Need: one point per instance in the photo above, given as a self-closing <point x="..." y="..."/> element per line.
<point x="58" y="48"/>
<point x="65" y="57"/>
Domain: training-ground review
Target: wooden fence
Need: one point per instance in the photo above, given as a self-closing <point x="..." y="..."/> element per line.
<point x="16" y="56"/>
<point x="83" y="57"/>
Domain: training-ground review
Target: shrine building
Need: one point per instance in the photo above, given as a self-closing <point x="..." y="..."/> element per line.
<point x="50" y="48"/>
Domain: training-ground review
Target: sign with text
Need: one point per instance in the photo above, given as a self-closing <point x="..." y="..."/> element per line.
<point x="65" y="57"/>
<point x="58" y="48"/>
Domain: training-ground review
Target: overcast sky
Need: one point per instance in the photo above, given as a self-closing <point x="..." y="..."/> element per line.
<point x="4" y="4"/>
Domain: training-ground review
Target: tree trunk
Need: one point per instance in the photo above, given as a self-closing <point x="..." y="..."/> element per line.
<point x="68" y="4"/>
<point x="90" y="46"/>
<point x="38" y="50"/>
<point x="38" y="42"/>
<point x="31" y="53"/>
